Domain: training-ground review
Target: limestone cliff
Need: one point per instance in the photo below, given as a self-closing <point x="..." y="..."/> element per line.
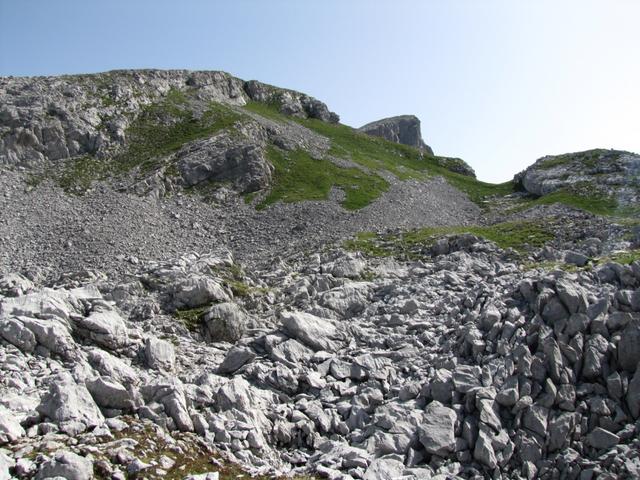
<point x="404" y="129"/>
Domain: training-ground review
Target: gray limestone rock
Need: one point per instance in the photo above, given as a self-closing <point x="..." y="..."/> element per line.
<point x="111" y="366"/>
<point x="384" y="469"/>
<point x="291" y="352"/>
<point x="483" y="451"/>
<point x="552" y="173"/>
<point x="70" y="405"/>
<point x="15" y="285"/>
<point x="68" y="465"/>
<point x="224" y="158"/>
<point x="466" y="377"/>
<point x="560" y="429"/>
<point x="159" y="354"/>
<point x="442" y="386"/>
<point x="629" y="346"/>
<point x="535" y="419"/>
<point x="602" y="439"/>
<point x="508" y="394"/>
<point x="6" y="463"/>
<point x="291" y="103"/>
<point x="576" y="258"/>
<point x="104" y="327"/>
<point x="14" y="332"/>
<point x="572" y="296"/>
<point x="633" y="394"/>
<point x="347" y="300"/>
<point x="52" y="335"/>
<point x="108" y="393"/>
<point x="225" y="322"/>
<point x="10" y="428"/>
<point x="315" y="332"/>
<point x="176" y="406"/>
<point x="594" y="356"/>
<point x="404" y="129"/>
<point x="196" y="291"/>
<point x="235" y="359"/>
<point x="437" y="432"/>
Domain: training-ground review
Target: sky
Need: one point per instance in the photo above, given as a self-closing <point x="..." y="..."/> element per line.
<point x="498" y="83"/>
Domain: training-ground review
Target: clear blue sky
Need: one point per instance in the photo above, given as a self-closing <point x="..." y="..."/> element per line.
<point x="496" y="82"/>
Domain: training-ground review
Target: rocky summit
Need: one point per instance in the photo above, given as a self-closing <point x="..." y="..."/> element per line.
<point x="204" y="277"/>
<point x="403" y="129"/>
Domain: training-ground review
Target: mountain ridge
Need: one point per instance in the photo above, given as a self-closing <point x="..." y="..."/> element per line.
<point x="198" y="282"/>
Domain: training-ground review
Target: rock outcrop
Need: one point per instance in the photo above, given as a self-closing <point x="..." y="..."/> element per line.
<point x="403" y="129"/>
<point x="53" y="118"/>
<point x="609" y="174"/>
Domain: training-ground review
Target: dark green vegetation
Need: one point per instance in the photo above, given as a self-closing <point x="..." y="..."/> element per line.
<point x="267" y="110"/>
<point x="192" y="318"/>
<point x="403" y="161"/>
<point x="415" y="243"/>
<point x="300" y="177"/>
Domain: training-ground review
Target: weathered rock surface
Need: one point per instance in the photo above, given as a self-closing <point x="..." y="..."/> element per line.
<point x="225" y="322"/>
<point x="437" y="433"/>
<point x="404" y="129"/>
<point x="66" y="465"/>
<point x="606" y="173"/>
<point x="70" y="405"/>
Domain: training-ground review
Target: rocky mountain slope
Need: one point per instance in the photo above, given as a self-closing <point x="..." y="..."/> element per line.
<point x="205" y="277"/>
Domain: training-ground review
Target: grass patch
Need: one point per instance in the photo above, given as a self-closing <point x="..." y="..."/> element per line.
<point x="267" y="110"/>
<point x="599" y="205"/>
<point x="378" y="154"/>
<point x="74" y="175"/>
<point x="165" y="126"/>
<point x="79" y="173"/>
<point x="249" y="197"/>
<point x="583" y="197"/>
<point x="550" y="265"/>
<point x="623" y="258"/>
<point x="239" y="288"/>
<point x="191" y="318"/>
<point x="370" y="244"/>
<point x="413" y="244"/>
<point x="300" y="177"/>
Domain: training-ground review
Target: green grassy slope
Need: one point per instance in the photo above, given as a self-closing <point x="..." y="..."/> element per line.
<point x="376" y="155"/>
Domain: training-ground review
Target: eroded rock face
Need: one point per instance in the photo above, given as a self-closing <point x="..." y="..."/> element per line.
<point x="291" y="103"/>
<point x="404" y="129"/>
<point x="54" y="118"/>
<point x="226" y="159"/>
<point x="609" y="173"/>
